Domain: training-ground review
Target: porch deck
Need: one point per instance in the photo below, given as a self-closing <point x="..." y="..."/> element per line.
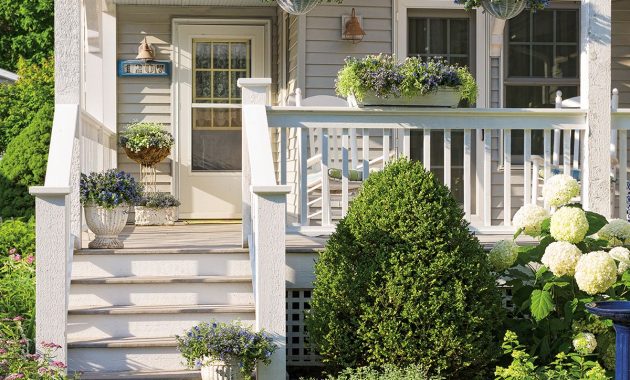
<point x="184" y="237"/>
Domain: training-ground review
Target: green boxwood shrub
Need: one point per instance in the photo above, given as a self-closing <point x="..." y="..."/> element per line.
<point x="402" y="281"/>
<point x="24" y="165"/>
<point x="414" y="372"/>
<point x="19" y="235"/>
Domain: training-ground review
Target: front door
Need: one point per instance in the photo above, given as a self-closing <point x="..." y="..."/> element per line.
<point x="211" y="59"/>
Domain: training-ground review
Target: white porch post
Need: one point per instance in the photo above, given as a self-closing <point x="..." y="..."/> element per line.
<point x="595" y="88"/>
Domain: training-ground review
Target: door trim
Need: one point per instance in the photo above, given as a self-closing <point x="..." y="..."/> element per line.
<point x="175" y="96"/>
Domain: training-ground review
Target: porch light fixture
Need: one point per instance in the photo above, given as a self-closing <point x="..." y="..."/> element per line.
<point x="352" y="29"/>
<point x="145" y="52"/>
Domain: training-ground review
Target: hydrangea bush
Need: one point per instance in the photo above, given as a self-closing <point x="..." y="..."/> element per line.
<point x="579" y="258"/>
<point x="386" y="77"/>
<point x="109" y="189"/>
<point x="140" y="136"/>
<point x="233" y="342"/>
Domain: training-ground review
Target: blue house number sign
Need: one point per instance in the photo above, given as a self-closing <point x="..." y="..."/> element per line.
<point x="139" y="68"/>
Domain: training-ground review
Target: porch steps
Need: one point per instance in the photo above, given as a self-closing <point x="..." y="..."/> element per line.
<point x="126" y="306"/>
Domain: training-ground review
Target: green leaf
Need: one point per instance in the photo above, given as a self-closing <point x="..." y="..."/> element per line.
<point x="541" y="304"/>
<point x="546" y="226"/>
<point x="595" y="222"/>
<point x="551" y="284"/>
<point x="541" y="271"/>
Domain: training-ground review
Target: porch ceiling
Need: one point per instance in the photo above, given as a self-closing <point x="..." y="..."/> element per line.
<point x="222" y="3"/>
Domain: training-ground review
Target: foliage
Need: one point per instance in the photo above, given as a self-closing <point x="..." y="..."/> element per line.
<point x="572" y="366"/>
<point x="389" y="372"/>
<point x="402" y="281"/>
<point x="386" y="77"/>
<point x="24" y="165"/>
<point x="321" y="1"/>
<point x="158" y="200"/>
<point x="26" y="30"/>
<point x="571" y="265"/>
<point x="533" y="5"/>
<point x="34" y="90"/>
<point x="18" y="235"/>
<point x="207" y="342"/>
<point x="109" y="189"/>
<point x="142" y="136"/>
<point x="17" y="288"/>
<point x="17" y="360"/>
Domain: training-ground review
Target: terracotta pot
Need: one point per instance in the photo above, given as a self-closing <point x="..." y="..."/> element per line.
<point x="443" y="97"/>
<point x="147" y="216"/>
<point x="106" y="224"/>
<point x="149" y="156"/>
<point x="218" y="370"/>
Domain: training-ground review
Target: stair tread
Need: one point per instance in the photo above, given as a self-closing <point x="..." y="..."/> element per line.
<point x="161" y="251"/>
<point x="160" y="280"/>
<point x="169" y="309"/>
<point x="125" y="342"/>
<point x="170" y="375"/>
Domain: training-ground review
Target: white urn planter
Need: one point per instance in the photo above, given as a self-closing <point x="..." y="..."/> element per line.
<point x="218" y="370"/>
<point x="148" y="216"/>
<point x="106" y="224"/>
<point x="443" y="97"/>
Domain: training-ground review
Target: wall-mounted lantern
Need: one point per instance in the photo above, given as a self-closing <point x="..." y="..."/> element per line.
<point x="352" y="28"/>
<point x="145" y="52"/>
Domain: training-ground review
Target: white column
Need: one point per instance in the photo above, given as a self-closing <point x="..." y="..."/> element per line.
<point x="595" y="90"/>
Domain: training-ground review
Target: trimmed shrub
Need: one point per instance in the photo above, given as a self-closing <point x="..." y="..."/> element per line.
<point x="24" y="165"/>
<point x="18" y="235"/>
<point x="402" y="281"/>
<point x="414" y="372"/>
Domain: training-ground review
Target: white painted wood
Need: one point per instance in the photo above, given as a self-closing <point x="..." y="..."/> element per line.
<point x="547" y="158"/>
<point x="354" y="151"/>
<point x="566" y="157"/>
<point x="534" y="180"/>
<point x="556" y="133"/>
<point x="303" y="175"/>
<point x="507" y="178"/>
<point x="386" y="147"/>
<point x="345" y="145"/>
<point x="487" y="177"/>
<point x="426" y="159"/>
<point x="527" y="166"/>
<point x="326" y="218"/>
<point x="467" y="173"/>
<point x="366" y="153"/>
<point x="447" y="158"/>
<point x="623" y="174"/>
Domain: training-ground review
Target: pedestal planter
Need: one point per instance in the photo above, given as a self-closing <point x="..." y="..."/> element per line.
<point x="443" y="97"/>
<point x="149" y="216"/>
<point x="106" y="224"/>
<point x="619" y="312"/>
<point x="219" y="370"/>
<point x="504" y="9"/>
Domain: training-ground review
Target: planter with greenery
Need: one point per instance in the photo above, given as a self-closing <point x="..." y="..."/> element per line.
<point x="156" y="209"/>
<point x="225" y="351"/>
<point x="504" y="9"/>
<point x="383" y="80"/>
<point x="106" y="198"/>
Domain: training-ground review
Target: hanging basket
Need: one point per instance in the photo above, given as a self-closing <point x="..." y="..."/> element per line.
<point x="149" y="156"/>
<point x="297" y="7"/>
<point x="504" y="9"/>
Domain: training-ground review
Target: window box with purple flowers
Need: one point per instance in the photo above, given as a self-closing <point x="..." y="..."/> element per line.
<point x="381" y="80"/>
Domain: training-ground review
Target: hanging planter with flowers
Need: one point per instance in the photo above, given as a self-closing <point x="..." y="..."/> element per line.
<point x="300" y="7"/>
<point x="504" y="9"/>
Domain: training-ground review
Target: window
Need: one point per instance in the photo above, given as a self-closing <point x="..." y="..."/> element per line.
<point x="543" y="57"/>
<point x="445" y="35"/>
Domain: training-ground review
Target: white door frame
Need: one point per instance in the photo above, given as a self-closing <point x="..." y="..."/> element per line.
<point x="175" y="95"/>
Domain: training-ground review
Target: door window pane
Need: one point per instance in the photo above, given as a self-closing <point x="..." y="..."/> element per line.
<point x="443" y="37"/>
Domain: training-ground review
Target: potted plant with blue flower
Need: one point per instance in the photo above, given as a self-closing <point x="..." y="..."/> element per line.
<point x="156" y="209"/>
<point x="225" y="351"/>
<point x="383" y="80"/>
<point x="106" y="198"/>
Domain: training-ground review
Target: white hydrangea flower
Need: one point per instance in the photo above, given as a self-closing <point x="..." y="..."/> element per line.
<point x="561" y="258"/>
<point x="503" y="255"/>
<point x="622" y="267"/>
<point x="585" y="343"/>
<point x="616" y="232"/>
<point x="622" y="255"/>
<point x="569" y="224"/>
<point x="595" y="272"/>
<point x="530" y="218"/>
<point x="560" y="189"/>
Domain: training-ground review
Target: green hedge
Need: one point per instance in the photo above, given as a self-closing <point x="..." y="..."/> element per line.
<point x="402" y="281"/>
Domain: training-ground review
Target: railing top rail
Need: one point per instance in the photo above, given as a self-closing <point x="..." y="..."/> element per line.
<point x="92" y="120"/>
<point x="426" y="118"/>
<point x="64" y="132"/>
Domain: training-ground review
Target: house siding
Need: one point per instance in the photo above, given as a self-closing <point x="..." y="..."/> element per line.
<point x="621" y="51"/>
<point x="150" y="99"/>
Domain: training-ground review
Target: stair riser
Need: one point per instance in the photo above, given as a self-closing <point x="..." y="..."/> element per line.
<point x="229" y="264"/>
<point x="161" y="294"/>
<point x="125" y="359"/>
<point x="89" y="327"/>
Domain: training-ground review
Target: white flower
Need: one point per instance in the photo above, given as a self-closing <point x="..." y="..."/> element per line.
<point x="585" y="343"/>
<point x="622" y="255"/>
<point x="569" y="224"/>
<point x="561" y="258"/>
<point x="560" y="189"/>
<point x="622" y="267"/>
<point x="503" y="255"/>
<point x="530" y="218"/>
<point x="616" y="232"/>
<point x="595" y="272"/>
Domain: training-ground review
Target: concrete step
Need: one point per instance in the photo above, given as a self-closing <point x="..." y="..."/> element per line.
<point x="144" y="375"/>
<point x="90" y="323"/>
<point x="168" y="262"/>
<point x="161" y="290"/>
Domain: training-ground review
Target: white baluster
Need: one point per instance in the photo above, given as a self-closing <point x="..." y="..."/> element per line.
<point x="344" y="172"/>
<point x="326" y="220"/>
<point x="547" y="164"/>
<point x="386" y="148"/>
<point x="556" y="133"/>
<point x="467" y="173"/>
<point x="426" y="159"/>
<point x="487" y="177"/>
<point x="366" y="153"/>
<point x="507" y="177"/>
<point x="527" y="162"/>
<point x="447" y="158"/>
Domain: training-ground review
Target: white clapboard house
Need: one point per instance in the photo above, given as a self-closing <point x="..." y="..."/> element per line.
<point x="256" y="154"/>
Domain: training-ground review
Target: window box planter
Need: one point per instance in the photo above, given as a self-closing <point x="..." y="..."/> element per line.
<point x="218" y="370"/>
<point x="107" y="224"/>
<point x="149" y="216"/>
<point x="443" y="97"/>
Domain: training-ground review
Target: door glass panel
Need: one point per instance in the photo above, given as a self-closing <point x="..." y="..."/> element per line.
<point x="216" y="129"/>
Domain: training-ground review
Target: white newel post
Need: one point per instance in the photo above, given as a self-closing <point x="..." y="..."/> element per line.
<point x="595" y="90"/>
